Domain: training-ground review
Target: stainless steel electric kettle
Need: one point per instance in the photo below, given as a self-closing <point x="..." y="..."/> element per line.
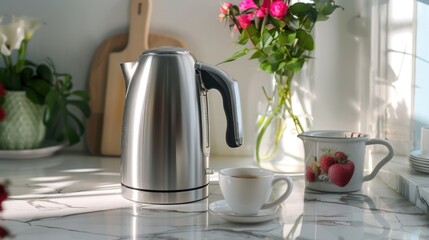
<point x="165" y="132"/>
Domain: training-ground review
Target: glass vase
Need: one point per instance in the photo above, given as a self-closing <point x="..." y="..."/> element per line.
<point x="23" y="126"/>
<point x="282" y="118"/>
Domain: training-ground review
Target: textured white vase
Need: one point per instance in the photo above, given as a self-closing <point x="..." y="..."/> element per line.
<point x="23" y="126"/>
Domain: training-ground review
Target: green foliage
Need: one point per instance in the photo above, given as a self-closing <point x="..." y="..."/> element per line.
<point x="280" y="45"/>
<point x="64" y="106"/>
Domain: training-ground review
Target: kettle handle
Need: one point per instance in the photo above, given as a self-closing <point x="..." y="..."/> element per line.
<point x="213" y="77"/>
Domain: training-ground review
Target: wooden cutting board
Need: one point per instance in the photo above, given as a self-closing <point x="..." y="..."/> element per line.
<point x="98" y="78"/>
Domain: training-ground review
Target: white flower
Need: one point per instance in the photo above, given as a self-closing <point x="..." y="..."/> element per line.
<point x="30" y="25"/>
<point x="12" y="36"/>
<point x="3" y="48"/>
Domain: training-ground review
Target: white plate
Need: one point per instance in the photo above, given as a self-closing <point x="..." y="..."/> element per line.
<point x="417" y="154"/>
<point x="30" y="153"/>
<point x="222" y="210"/>
<point x="419" y="162"/>
<point x="420" y="169"/>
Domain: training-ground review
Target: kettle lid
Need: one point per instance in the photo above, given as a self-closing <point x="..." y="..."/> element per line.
<point x="166" y="50"/>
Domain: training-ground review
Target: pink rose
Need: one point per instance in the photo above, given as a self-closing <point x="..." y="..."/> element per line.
<point x="278" y="9"/>
<point x="3" y="195"/>
<point x="246" y="4"/>
<point x="4" y="233"/>
<point x="224" y="10"/>
<point x="2" y="117"/>
<point x="2" y="90"/>
<point x="244" y="20"/>
<point x="261" y="12"/>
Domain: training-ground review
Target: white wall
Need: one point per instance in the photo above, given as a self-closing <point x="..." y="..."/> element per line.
<point x="74" y="28"/>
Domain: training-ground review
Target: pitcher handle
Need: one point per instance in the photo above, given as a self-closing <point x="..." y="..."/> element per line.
<point x="386" y="159"/>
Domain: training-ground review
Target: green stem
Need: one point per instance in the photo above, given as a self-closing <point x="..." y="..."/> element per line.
<point x="283" y="103"/>
<point x="20" y="62"/>
<point x="263" y="125"/>
<point x="7" y="61"/>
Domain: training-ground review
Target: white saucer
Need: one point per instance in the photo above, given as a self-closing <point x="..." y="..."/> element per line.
<point x="30" y="153"/>
<point x="222" y="210"/>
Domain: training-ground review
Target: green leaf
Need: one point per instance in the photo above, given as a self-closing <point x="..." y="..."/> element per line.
<point x="26" y="74"/>
<point x="72" y="136"/>
<point x="51" y="102"/>
<point x="11" y="81"/>
<point x="327" y="7"/>
<point x="47" y="115"/>
<point x="295" y="65"/>
<point x="305" y="40"/>
<point x="34" y="96"/>
<point x="236" y="55"/>
<point x="300" y="9"/>
<point x="266" y="66"/>
<point x="82" y="106"/>
<point x="79" y="124"/>
<point x="82" y="94"/>
<point x="277" y="22"/>
<point x="266" y="39"/>
<point x="243" y="38"/>
<point x="44" y="72"/>
<point x="257" y="55"/>
<point x="253" y="33"/>
<point x="311" y="17"/>
<point x="286" y="37"/>
<point x="41" y="87"/>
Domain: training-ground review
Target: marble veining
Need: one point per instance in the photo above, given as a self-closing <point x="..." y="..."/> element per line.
<point x="78" y="197"/>
<point x="411" y="184"/>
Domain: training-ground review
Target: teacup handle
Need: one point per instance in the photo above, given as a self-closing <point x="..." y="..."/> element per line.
<point x="285" y="195"/>
<point x="387" y="158"/>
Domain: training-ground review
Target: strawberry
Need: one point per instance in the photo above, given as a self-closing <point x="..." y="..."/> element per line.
<point x="341" y="173"/>
<point x="326" y="160"/>
<point x="309" y="174"/>
<point x="341" y="156"/>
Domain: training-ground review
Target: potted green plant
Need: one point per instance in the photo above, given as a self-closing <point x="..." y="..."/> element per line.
<point x="38" y="103"/>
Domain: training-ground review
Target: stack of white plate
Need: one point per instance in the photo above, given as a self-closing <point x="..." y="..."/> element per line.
<point x="419" y="162"/>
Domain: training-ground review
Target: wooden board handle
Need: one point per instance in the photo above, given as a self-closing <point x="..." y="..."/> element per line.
<point x="140" y="14"/>
<point x="138" y="42"/>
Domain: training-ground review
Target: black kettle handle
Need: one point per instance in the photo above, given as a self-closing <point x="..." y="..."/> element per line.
<point x="213" y="77"/>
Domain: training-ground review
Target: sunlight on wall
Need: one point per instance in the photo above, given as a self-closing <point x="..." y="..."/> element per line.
<point x="392" y="63"/>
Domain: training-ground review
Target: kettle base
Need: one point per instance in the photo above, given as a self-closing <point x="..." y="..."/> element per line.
<point x="165" y="197"/>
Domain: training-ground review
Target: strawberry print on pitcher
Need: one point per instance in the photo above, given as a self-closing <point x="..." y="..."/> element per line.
<point x="332" y="166"/>
<point x="335" y="160"/>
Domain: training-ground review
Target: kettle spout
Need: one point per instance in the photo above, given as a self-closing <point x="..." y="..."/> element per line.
<point x="128" y="70"/>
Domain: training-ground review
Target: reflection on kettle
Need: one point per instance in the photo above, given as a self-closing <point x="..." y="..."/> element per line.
<point x="165" y="135"/>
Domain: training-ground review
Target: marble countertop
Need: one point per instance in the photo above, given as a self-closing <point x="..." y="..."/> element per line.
<point x="75" y="196"/>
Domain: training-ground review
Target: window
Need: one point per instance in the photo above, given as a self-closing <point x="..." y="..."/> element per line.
<point x="398" y="72"/>
<point x="421" y="91"/>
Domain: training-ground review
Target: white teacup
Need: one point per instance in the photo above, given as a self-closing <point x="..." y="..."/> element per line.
<point x="247" y="190"/>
